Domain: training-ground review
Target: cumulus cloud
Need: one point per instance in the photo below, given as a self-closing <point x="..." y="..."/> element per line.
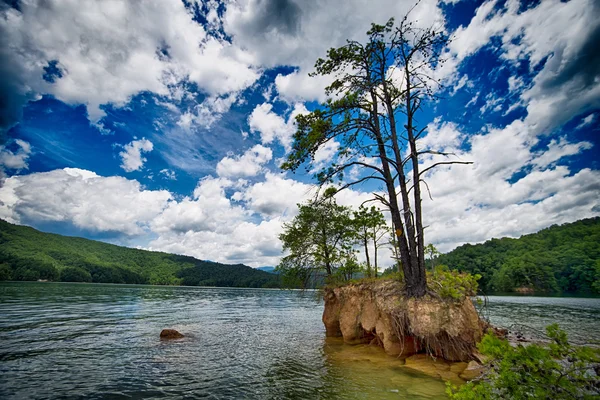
<point x="510" y="189"/>
<point x="272" y="127"/>
<point x="106" y="52"/>
<point x="16" y="159"/>
<point x="131" y="156"/>
<point x="83" y="199"/>
<point x="247" y="165"/>
<point x="211" y="225"/>
<point x="298" y="32"/>
<point x="557" y="36"/>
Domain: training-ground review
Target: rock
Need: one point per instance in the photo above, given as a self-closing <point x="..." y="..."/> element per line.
<point x="458" y="367"/>
<point x="170" y="334"/>
<point x="436" y="368"/>
<point x="473" y="370"/>
<point x="403" y="327"/>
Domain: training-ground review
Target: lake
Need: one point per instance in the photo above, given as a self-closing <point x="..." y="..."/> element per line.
<point x="60" y="340"/>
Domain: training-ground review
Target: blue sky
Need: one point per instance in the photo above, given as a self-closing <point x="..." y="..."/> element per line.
<point x="161" y="125"/>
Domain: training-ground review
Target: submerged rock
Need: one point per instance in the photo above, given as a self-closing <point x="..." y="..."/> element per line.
<point x="473" y="370"/>
<point x="170" y="334"/>
<point x="377" y="312"/>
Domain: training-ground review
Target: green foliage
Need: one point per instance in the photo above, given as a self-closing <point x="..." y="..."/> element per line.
<point x="320" y="242"/>
<point x="5" y="272"/>
<point x="453" y="285"/>
<point x="432" y="252"/>
<point x="75" y="274"/>
<point x="27" y="254"/>
<point x="557" y="370"/>
<point x="370" y="227"/>
<point x="223" y="275"/>
<point x="563" y="258"/>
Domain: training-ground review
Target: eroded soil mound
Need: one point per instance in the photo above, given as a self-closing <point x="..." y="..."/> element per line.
<point x="376" y="312"/>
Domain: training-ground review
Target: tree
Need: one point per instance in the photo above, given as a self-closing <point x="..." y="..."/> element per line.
<point x="378" y="89"/>
<point x="370" y="227"/>
<point x="432" y="252"/>
<point x="319" y="239"/>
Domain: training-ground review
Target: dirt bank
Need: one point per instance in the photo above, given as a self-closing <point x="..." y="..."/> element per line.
<point x="377" y="313"/>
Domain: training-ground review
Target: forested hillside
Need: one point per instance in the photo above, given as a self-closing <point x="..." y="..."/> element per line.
<point x="563" y="258"/>
<point x="27" y="254"/>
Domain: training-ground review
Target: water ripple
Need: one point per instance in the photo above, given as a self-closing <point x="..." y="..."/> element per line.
<point x="80" y="341"/>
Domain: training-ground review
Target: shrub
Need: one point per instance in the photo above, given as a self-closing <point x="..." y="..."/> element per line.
<point x="452" y="285"/>
<point x="557" y="370"/>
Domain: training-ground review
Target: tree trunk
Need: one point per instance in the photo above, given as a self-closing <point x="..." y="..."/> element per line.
<point x="366" y="243"/>
<point x="393" y="202"/>
<point x="375" y="266"/>
<point x="420" y="284"/>
<point x="415" y="281"/>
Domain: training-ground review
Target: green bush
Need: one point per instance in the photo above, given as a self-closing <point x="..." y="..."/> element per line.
<point x="452" y="285"/>
<point x="557" y="370"/>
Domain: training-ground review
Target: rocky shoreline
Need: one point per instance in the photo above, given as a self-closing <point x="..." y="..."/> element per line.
<point x="436" y="336"/>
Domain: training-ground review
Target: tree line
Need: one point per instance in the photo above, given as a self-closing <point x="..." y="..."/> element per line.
<point x="30" y="255"/>
<point x="561" y="258"/>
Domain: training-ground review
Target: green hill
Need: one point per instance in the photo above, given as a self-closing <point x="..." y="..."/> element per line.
<point x="28" y="254"/>
<point x="561" y="258"/>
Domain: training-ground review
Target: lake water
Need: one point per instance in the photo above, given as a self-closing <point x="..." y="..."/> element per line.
<point x="102" y="341"/>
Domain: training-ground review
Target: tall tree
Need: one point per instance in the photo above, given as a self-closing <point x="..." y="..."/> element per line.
<point x="369" y="224"/>
<point x="320" y="240"/>
<point x="378" y="89"/>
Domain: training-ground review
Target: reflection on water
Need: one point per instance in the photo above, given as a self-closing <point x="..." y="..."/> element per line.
<point x="101" y="341"/>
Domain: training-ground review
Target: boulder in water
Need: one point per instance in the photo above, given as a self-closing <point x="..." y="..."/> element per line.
<point x="170" y="334"/>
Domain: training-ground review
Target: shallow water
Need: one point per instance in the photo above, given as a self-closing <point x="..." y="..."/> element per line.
<point x="101" y="341"/>
<point x="579" y="317"/>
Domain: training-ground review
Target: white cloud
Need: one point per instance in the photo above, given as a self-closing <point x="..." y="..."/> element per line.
<point x="564" y="33"/>
<point x="131" y="156"/>
<point x="273" y="127"/>
<point x="276" y="195"/>
<point x="297" y="33"/>
<point x="110" y="51"/>
<point x="247" y="165"/>
<point x="510" y="190"/>
<point x="298" y="86"/>
<point x="586" y="121"/>
<point x="462" y="82"/>
<point x="168" y="174"/>
<point x="211" y="226"/>
<point x="324" y="155"/>
<point x="559" y="149"/>
<point x="83" y="199"/>
<point x="16" y="160"/>
<point x="441" y="136"/>
<point x="515" y="83"/>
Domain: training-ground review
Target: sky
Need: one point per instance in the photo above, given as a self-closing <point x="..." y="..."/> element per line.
<point x="162" y="124"/>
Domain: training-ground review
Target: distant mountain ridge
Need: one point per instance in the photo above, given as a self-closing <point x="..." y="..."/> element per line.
<point x="28" y="254"/>
<point x="270" y="270"/>
<point x="561" y="258"/>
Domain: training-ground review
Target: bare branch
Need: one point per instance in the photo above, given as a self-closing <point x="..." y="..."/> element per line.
<point x="444" y="163"/>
